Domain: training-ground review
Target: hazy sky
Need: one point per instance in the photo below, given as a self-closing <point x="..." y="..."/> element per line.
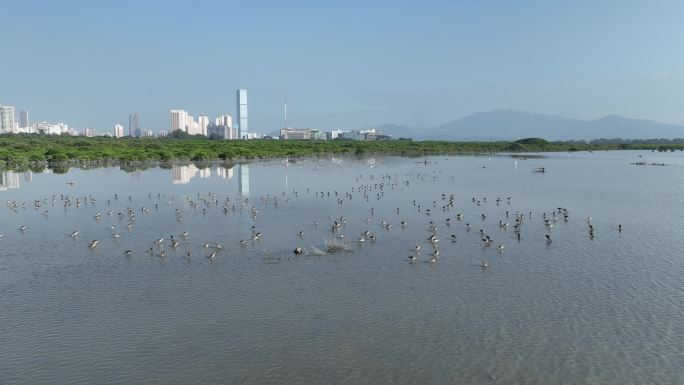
<point x="346" y="64"/>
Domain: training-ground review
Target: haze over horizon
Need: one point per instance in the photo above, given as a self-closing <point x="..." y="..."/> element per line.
<point x="345" y="65"/>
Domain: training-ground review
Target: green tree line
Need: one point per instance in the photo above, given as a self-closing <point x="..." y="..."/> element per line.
<point x="19" y="151"/>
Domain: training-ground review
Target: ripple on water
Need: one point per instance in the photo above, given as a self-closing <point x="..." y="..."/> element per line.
<point x="601" y="311"/>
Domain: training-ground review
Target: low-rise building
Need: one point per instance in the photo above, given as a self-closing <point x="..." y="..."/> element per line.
<point x="302" y="134"/>
<point x="372" y="134"/>
<point x="295" y="134"/>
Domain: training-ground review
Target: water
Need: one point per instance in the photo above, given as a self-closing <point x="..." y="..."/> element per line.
<point x="606" y="310"/>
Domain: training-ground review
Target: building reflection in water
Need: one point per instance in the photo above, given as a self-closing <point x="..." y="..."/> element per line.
<point x="225" y="172"/>
<point x="243" y="179"/>
<point x="183" y="174"/>
<point x="11" y="179"/>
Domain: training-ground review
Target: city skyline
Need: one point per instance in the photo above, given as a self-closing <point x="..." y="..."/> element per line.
<point x="418" y="64"/>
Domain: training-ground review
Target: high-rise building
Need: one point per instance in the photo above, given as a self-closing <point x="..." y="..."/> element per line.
<point x="24" y="119"/>
<point x="191" y="125"/>
<point x="134" y="125"/>
<point x="243" y="128"/>
<point x="118" y="130"/>
<point x="221" y="128"/>
<point x="179" y="119"/>
<point x="51" y="129"/>
<point x="224" y="120"/>
<point x="203" y="122"/>
<point x="7" y="121"/>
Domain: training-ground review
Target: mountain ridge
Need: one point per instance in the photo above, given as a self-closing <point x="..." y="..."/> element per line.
<point x="508" y="124"/>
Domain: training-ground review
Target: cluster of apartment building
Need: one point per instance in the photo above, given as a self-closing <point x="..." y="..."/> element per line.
<point x="9" y="124"/>
<point x="222" y="127"/>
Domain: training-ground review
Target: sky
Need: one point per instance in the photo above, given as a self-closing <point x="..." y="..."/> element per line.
<point x="345" y="64"/>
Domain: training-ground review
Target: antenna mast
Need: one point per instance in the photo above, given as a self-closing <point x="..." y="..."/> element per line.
<point x="285" y="107"/>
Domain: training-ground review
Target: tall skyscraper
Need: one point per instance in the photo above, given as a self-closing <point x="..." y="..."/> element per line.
<point x="6" y="119"/>
<point x="24" y="119"/>
<point x="243" y="127"/>
<point x="134" y="125"/>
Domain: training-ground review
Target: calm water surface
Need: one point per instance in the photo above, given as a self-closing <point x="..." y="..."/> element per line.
<point x="576" y="310"/>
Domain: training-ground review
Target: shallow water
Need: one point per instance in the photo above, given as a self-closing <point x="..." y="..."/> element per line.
<point x="606" y="310"/>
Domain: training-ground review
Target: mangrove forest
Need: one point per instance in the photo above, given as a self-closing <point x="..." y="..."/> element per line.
<point x="20" y="151"/>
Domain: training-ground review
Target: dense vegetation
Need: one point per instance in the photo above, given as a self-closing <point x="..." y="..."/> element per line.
<point x="37" y="151"/>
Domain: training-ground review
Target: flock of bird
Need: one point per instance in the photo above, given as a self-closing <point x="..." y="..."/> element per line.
<point x="368" y="191"/>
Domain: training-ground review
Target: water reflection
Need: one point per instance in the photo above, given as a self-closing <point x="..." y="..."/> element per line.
<point x="225" y="172"/>
<point x="137" y="309"/>
<point x="183" y="174"/>
<point x="11" y="179"/>
<point x="243" y="180"/>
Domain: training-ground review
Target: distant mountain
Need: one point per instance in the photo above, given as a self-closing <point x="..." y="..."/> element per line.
<point x="512" y="124"/>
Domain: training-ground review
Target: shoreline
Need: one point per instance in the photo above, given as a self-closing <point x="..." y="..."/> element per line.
<point x="132" y="166"/>
<point x="38" y="152"/>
